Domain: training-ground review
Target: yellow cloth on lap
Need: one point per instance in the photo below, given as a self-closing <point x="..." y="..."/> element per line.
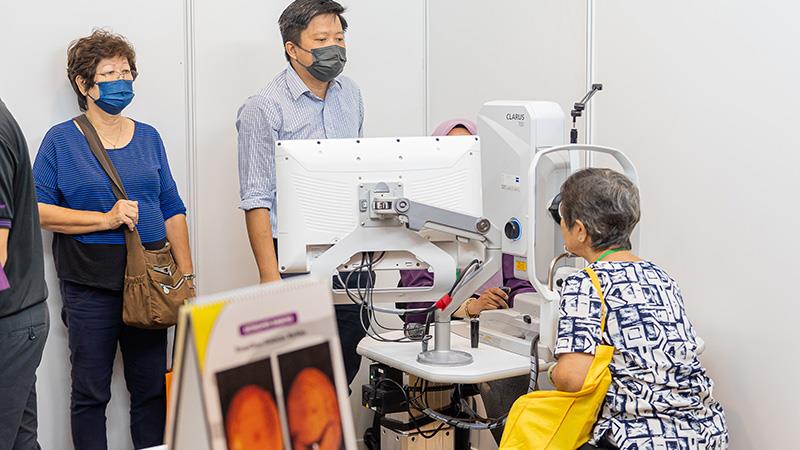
<point x="562" y="420"/>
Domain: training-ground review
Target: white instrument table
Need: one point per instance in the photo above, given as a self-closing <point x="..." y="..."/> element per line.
<point x="488" y="363"/>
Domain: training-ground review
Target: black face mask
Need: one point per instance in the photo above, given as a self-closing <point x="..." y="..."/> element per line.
<point x="328" y="62"/>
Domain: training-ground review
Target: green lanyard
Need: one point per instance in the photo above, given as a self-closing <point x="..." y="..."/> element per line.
<point x="608" y="252"/>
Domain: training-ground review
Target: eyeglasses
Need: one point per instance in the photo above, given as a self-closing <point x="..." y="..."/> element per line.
<point x="112" y="75"/>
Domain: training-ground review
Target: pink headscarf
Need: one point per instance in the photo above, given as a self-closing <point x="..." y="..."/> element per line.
<point x="447" y="126"/>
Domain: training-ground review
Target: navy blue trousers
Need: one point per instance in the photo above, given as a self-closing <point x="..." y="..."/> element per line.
<point x="94" y="323"/>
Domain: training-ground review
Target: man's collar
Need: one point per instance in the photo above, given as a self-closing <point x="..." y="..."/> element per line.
<point x="296" y="85"/>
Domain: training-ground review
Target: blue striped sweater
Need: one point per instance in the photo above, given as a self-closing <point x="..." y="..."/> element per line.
<point x="67" y="174"/>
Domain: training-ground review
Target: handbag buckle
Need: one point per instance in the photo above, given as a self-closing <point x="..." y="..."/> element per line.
<point x="164" y="270"/>
<point x="167" y="288"/>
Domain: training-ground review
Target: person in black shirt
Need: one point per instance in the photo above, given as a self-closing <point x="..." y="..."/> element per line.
<point x="24" y="320"/>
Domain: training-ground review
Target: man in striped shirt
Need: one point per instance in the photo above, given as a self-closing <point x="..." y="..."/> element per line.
<point x="307" y="100"/>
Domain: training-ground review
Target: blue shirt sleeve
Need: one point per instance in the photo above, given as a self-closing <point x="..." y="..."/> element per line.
<point x="579" y="316"/>
<point x="170" y="199"/>
<point x="45" y="173"/>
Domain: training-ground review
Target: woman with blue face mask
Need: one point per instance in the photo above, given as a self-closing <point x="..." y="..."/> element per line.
<point x="77" y="204"/>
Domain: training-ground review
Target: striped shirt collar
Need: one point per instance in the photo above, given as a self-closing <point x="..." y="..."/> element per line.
<point x="297" y="87"/>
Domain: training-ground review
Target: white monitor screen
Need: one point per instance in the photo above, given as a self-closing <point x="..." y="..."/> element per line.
<point x="318" y="181"/>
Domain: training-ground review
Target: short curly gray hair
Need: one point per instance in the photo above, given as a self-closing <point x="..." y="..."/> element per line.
<point x="607" y="203"/>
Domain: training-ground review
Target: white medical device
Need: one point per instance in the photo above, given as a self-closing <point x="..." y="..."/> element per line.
<point x="524" y="164"/>
<point x="415" y="201"/>
<point x="512" y="132"/>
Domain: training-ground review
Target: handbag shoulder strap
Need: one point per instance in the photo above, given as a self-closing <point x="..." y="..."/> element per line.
<point x="599" y="289"/>
<point x="102" y="155"/>
<point x="132" y="238"/>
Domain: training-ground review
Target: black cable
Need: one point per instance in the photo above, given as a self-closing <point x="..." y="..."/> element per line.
<point x="364" y="298"/>
<point x="533" y="383"/>
<point x="479" y="423"/>
<point x="370" y="264"/>
<point x="463" y="274"/>
<point x="366" y="302"/>
<point x="429" y="317"/>
<point x="408" y="410"/>
<point x="422" y="391"/>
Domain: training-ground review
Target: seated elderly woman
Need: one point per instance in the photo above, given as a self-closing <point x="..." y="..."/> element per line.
<point x="660" y="395"/>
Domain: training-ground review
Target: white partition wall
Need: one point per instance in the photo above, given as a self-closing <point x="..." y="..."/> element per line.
<point x="33" y="83"/>
<point x="703" y="97"/>
<point x="237" y="50"/>
<point x="504" y="50"/>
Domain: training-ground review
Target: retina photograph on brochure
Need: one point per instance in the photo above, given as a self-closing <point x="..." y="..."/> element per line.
<point x="271" y="370"/>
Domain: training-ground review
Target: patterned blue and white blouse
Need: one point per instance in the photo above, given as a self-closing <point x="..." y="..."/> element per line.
<point x="660" y="396"/>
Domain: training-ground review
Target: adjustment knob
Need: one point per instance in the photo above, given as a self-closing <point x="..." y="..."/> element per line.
<point x="513" y="229"/>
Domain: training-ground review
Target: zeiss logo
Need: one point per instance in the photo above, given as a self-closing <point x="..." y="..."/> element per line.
<point x="515" y="116"/>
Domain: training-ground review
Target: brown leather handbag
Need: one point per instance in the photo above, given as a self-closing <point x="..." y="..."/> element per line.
<point x="154" y="288"/>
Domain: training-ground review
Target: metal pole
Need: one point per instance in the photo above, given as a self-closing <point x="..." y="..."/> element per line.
<point x="426" y="42"/>
<point x="191" y="129"/>
<point x="589" y="74"/>
<point x="441" y="334"/>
